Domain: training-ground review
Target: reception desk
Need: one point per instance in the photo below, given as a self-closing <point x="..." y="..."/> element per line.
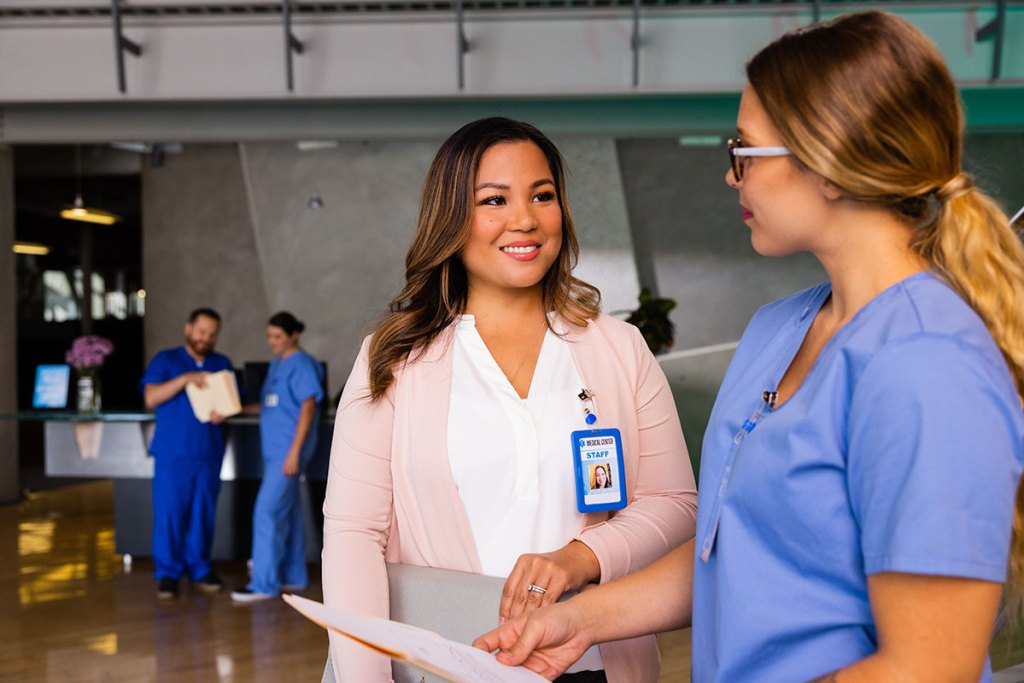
<point x="114" y="445"/>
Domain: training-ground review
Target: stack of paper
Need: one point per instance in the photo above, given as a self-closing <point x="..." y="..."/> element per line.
<point x="220" y="394"/>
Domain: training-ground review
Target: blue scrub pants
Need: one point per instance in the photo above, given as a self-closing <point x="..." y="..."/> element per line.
<point x="278" y="534"/>
<point x="184" y="510"/>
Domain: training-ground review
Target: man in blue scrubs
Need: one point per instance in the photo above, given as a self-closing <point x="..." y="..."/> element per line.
<point x="188" y="455"/>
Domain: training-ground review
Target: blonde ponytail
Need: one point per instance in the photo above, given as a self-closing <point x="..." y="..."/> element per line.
<point x="973" y="247"/>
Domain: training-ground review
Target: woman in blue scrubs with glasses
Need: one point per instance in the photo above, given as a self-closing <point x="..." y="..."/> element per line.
<point x="858" y="506"/>
<point x="289" y="421"/>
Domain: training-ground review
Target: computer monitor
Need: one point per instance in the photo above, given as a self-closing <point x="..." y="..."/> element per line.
<point x="253" y="376"/>
<point x="51" y="389"/>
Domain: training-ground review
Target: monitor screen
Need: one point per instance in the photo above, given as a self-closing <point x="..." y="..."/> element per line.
<point x="51" y="389"/>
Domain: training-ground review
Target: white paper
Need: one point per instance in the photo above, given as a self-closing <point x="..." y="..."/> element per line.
<point x="455" y="661"/>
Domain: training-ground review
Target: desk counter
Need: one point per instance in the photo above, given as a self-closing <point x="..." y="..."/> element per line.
<point x="115" y="445"/>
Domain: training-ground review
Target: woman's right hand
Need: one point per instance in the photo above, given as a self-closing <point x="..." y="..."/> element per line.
<point x="547" y="641"/>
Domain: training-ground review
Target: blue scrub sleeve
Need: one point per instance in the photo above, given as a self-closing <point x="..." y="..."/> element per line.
<point x="934" y="459"/>
<point x="157" y="372"/>
<point x="304" y="382"/>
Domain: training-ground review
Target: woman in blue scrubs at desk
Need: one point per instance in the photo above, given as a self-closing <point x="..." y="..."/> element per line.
<point x="861" y="465"/>
<point x="289" y="421"/>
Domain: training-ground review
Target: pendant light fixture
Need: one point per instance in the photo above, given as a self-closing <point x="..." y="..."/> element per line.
<point x="78" y="210"/>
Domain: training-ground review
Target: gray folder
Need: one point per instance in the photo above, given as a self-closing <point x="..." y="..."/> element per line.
<point x="457" y="605"/>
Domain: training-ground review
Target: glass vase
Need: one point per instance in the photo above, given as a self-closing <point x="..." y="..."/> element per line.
<point x="88" y="395"/>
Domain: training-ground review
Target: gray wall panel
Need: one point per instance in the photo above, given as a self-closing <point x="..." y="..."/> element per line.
<point x="336" y="267"/>
<point x="598" y="201"/>
<point x="678" y="199"/>
<point x="199" y="250"/>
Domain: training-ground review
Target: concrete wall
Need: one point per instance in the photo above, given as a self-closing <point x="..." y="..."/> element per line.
<point x="198" y="250"/>
<point x="335" y="267"/>
<point x="598" y="200"/>
<point x="700" y="248"/>
<point x="231" y="227"/>
<point x="8" y="373"/>
<point x="688" y="220"/>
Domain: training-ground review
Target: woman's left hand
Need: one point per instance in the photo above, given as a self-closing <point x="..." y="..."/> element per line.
<point x="569" y="568"/>
<point x="291" y="466"/>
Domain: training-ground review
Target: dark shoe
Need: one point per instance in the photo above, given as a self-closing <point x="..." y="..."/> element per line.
<point x="210" y="583"/>
<point x="167" y="589"/>
<point x="246" y="595"/>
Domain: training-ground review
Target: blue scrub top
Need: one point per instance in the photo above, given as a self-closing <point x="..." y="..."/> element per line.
<point x="900" y="452"/>
<point x="289" y="383"/>
<point x="178" y="433"/>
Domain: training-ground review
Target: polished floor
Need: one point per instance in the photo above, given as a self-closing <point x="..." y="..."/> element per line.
<point x="71" y="610"/>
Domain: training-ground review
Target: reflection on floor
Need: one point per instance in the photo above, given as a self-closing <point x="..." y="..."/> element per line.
<point x="69" y="610"/>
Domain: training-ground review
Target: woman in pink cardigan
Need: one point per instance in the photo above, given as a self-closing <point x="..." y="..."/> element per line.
<point x="451" y="444"/>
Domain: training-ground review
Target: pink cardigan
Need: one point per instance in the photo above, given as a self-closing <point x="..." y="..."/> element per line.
<point x="391" y="495"/>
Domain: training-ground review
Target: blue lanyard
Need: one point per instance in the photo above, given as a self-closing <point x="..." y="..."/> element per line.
<point x="765" y="407"/>
<point x="767" y="401"/>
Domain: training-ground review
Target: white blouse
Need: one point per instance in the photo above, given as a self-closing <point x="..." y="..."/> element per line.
<point x="511" y="457"/>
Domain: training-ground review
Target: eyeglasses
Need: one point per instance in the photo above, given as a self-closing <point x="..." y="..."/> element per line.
<point x="737" y="151"/>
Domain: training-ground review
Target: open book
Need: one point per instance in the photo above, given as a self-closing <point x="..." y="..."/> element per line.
<point x="220" y="394"/>
<point x="452" y="661"/>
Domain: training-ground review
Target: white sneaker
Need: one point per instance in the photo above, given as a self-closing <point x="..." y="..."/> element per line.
<point x="244" y="596"/>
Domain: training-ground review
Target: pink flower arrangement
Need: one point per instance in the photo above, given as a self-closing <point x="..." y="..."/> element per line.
<point x="89" y="351"/>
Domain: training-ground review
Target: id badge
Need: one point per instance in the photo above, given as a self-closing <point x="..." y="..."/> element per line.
<point x="270" y="401"/>
<point x="600" y="474"/>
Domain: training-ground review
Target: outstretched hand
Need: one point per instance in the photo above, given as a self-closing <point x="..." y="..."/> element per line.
<point x="547" y="641"/>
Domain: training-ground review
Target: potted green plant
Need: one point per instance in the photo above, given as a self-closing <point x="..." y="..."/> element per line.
<point x="652" y="319"/>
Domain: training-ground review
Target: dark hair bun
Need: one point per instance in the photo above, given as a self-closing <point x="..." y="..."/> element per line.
<point x="287" y="322"/>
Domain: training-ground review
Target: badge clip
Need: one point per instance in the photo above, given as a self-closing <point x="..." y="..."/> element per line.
<point x="586" y="396"/>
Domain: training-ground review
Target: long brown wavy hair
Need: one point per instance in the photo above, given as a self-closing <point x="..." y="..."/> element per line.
<point x="435" y="280"/>
<point x="866" y="101"/>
